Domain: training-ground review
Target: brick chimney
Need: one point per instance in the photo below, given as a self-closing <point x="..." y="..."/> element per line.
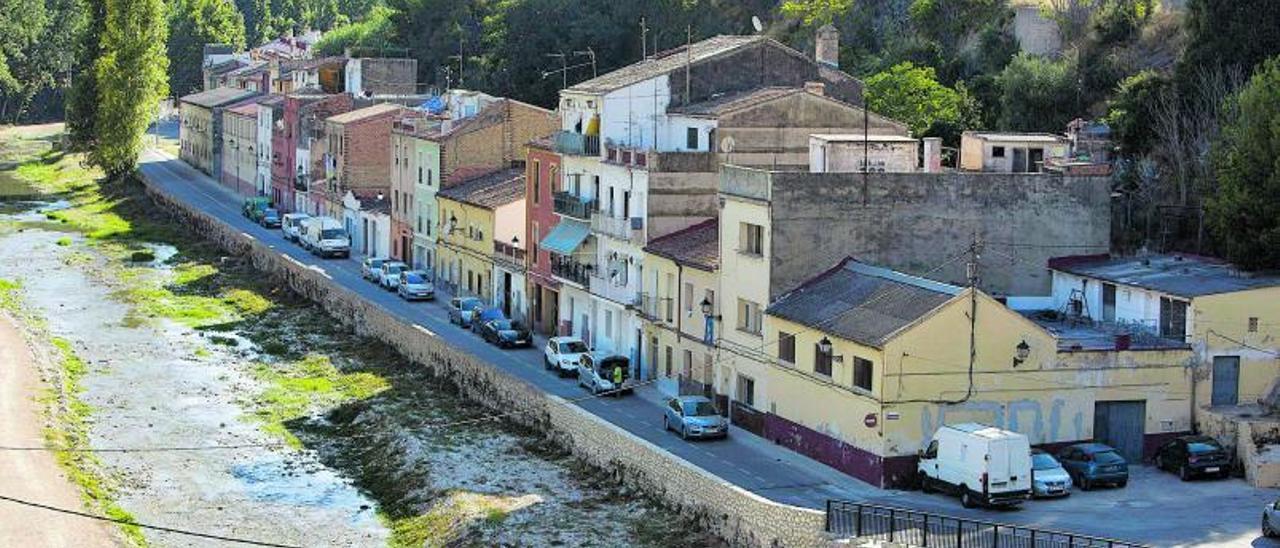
<point x="826" y="46"/>
<point x="816" y="88"/>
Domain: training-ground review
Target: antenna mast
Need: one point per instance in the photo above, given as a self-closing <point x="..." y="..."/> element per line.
<point x="644" y="40"/>
<point x="688" y="62"/>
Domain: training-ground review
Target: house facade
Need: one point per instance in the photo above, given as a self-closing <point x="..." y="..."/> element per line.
<point x="1010" y="152"/>
<point x="300" y="124"/>
<point x="355" y="154"/>
<point x="679" y="306"/>
<point x="542" y="186"/>
<point x="201" y="126"/>
<point x="240" y="148"/>
<point x="469" y="212"/>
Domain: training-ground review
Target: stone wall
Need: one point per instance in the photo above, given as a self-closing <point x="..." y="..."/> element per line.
<point x="740" y="517"/>
<point x="1253" y="439"/>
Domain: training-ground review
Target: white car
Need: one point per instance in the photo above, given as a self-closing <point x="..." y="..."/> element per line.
<point x="1271" y="520"/>
<point x="563" y="354"/>
<point x="371" y="269"/>
<point x="389" y="275"/>
<point x="290" y="225"/>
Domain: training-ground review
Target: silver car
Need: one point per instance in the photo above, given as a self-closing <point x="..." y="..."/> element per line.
<point x="413" y="286"/>
<point x="389" y="274"/>
<point x="1271" y="520"/>
<point x="694" y="417"/>
<point x="1048" y="477"/>
<point x="371" y="268"/>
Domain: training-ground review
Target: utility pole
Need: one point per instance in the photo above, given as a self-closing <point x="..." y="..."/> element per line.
<point x="688" y="62"/>
<point x="972" y="273"/>
<point x="564" y="69"/>
<point x="591" y="53"/>
<point x="644" y="40"/>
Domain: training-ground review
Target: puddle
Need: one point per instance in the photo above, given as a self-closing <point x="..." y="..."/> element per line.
<point x="288" y="482"/>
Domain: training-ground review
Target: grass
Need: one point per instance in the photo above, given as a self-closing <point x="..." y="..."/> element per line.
<point x="296" y="389"/>
<point x="63" y="241"/>
<point x="9" y="297"/>
<point x="448" y="519"/>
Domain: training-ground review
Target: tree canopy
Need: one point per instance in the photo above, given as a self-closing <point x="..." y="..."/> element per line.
<point x="192" y="24"/>
<point x="130" y="77"/>
<point x="912" y="95"/>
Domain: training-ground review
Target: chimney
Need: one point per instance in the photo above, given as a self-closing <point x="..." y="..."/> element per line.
<point x="932" y="155"/>
<point x="816" y="88"/>
<point x="826" y="48"/>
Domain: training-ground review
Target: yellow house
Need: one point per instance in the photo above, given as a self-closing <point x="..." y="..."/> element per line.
<point x="471" y="213"/>
<point x="200" y="132"/>
<point x="679" y="308"/>
<point x="864" y="363"/>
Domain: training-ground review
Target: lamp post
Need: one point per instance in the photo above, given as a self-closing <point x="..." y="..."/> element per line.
<point x="1021" y="353"/>
<point x="824" y="346"/>
<point x="709" y="318"/>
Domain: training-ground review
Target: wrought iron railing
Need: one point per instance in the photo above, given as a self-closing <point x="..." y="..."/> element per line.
<point x="570" y="205"/>
<point x="569" y="270"/>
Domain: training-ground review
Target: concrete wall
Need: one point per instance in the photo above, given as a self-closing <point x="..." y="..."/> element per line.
<point x="740" y="517"/>
<point x="195" y="135"/>
<point x="914" y="222"/>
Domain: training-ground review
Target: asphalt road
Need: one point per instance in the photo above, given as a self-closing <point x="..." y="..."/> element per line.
<point x="1154" y="508"/>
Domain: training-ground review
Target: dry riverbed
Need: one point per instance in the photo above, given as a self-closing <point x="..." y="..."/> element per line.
<point x="183" y="347"/>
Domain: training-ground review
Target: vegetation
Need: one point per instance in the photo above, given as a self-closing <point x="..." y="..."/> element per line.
<point x="296" y="389"/>
<point x="912" y="95"/>
<point x="130" y="79"/>
<point x="192" y="24"/>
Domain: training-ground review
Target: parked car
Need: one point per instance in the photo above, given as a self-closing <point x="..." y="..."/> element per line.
<point x="270" y="218"/>
<point x="414" y="286"/>
<point x="325" y="236"/>
<point x="254" y="207"/>
<point x="506" y="333"/>
<point x="1194" y="456"/>
<point x="463" y="309"/>
<point x="563" y="354"/>
<point x="1093" y="464"/>
<point x="605" y="372"/>
<point x="291" y="224"/>
<point x="694" y="417"/>
<point x="485" y="315"/>
<point x="371" y="269"/>
<point x="1048" y="477"/>
<point x="1271" y="520"/>
<point x="389" y="275"/>
<point x="982" y="464"/>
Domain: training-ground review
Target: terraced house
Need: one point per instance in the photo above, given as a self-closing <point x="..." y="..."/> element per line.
<point x="201" y="127"/>
<point x="479" y="215"/>
<point x="355" y="155"/>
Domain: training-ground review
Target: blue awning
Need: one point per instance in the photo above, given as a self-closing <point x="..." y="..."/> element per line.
<point x="566" y="237"/>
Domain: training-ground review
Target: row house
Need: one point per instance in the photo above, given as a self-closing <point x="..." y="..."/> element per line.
<point x="355" y="155"/>
<point x="542" y="181"/>
<point x="201" y="126"/>
<point x="270" y="111"/>
<point x="366" y="215"/>
<point x="240" y="148"/>
<point x="679" y="306"/>
<point x="480" y="216"/>
<point x="297" y="128"/>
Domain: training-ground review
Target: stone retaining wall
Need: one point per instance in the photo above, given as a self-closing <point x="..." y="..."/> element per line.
<point x="736" y="515"/>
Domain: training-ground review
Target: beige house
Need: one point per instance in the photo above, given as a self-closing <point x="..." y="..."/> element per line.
<point x="240" y="148"/>
<point x="679" y="308"/>
<point x="855" y="152"/>
<point x="1010" y="152"/>
<point x="200" y="130"/>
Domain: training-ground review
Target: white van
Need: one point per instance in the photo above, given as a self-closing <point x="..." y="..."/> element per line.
<point x="291" y="226"/>
<point x="982" y="464"/>
<point x="326" y="237"/>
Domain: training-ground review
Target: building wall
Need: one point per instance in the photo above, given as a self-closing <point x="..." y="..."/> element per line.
<point x="542" y="168"/>
<point x="500" y="144"/>
<point x="1135" y="306"/>
<point x="262" y="181"/>
<point x="239" y="145"/>
<point x="746" y="277"/>
<point x="1220" y="327"/>
<point x="382" y="76"/>
<point x="776" y="133"/>
<point x="468" y="250"/>
<point x="404" y="179"/>
<point x="848" y="157"/>
<point x="683" y="329"/>
<point x="976" y="154"/>
<point x="426" y="156"/>
<point x="195" y="136"/>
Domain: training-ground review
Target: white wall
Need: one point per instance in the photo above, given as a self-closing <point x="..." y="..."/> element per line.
<point x="675" y="136"/>
<point x="632" y="115"/>
<point x="264" y="149"/>
<point x="1134" y="305"/>
<point x="508" y="221"/>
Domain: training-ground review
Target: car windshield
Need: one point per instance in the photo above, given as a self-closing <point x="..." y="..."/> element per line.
<point x="1203" y="446"/>
<point x="394" y="268"/>
<point x="1108" y="457"/>
<point x="468" y="304"/>
<point x="1043" y="461"/>
<point x="376" y="263"/>
<point x="271" y="213"/>
<point x="413" y="279"/>
<point x="332" y="234"/>
<point x="573" y="347"/>
<point x="502" y="325"/>
<point x="296" y="221"/>
<point x="699" y="409"/>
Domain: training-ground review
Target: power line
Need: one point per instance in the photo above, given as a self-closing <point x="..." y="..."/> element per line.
<point x="142" y="525"/>
<point x="141" y="449"/>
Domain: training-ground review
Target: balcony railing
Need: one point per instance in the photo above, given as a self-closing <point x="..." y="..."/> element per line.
<point x="511" y="254"/>
<point x="568" y="142"/>
<point x="655" y="308"/>
<point x="626" y="156"/>
<point x="573" y="206"/>
<point x="570" y="270"/>
<point x="627" y="229"/>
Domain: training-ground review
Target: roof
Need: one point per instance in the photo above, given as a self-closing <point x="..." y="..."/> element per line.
<point x="363" y="113"/>
<point x="983" y="430"/>
<point x="858" y="137"/>
<point x="730" y="102"/>
<point x="217" y="97"/>
<point x="1186" y="276"/>
<point x="1073" y="335"/>
<point x="1017" y="137"/>
<point x="489" y="191"/>
<point x="862" y="303"/>
<point x="663" y="63"/>
<point x="245" y="109"/>
<point x="697" y="246"/>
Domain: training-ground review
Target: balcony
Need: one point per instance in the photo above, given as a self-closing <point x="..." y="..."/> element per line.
<point x="510" y="255"/>
<point x="655" y="308"/>
<point x="573" y="206"/>
<point x="627" y="156"/>
<point x="577" y="144"/>
<point x="570" y="270"/>
<point x="626" y="229"/>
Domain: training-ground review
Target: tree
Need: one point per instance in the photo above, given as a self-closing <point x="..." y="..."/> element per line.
<point x="131" y="81"/>
<point x="1039" y="94"/>
<point x="82" y="98"/>
<point x="1244" y="214"/>
<point x="912" y="95"/>
<point x="374" y="32"/>
<point x="1132" y="109"/>
<point x="814" y="13"/>
<point x="1223" y="34"/>
<point x="192" y="24"/>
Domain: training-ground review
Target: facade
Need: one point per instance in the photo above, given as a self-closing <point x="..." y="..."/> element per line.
<point x="857" y="152"/>
<point x="864" y="363"/>
<point x="377" y="76"/>
<point x="542" y="185"/>
<point x="270" y="109"/>
<point x="299" y="121"/>
<point x="680" y="309"/>
<point x="200" y="130"/>
<point x="407" y="174"/>
<point x="240" y="148"/>
<point x="355" y="154"/>
<point x="1009" y="152"/>
<point x="470" y="211"/>
<point x="367" y="219"/>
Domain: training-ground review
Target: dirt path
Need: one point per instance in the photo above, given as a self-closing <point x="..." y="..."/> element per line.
<point x="33" y="475"/>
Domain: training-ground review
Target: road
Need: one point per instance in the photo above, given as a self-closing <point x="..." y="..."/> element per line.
<point x="1154" y="508"/>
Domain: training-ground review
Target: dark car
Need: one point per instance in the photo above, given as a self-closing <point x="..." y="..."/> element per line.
<point x="270" y="218"/>
<point x="462" y="309"/>
<point x="483" y="316"/>
<point x="506" y="333"/>
<point x="1092" y="464"/>
<point x="1194" y="456"/>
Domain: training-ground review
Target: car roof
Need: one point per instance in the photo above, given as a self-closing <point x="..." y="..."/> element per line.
<point x="1093" y="447"/>
<point x="691" y="399"/>
<point x="564" y="339"/>
<point x="393" y="263"/>
<point x="418" y="272"/>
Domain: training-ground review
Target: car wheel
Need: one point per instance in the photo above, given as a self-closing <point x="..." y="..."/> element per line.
<point x="546" y="364"/>
<point x="1184" y="473"/>
<point x="684" y="433"/>
<point x="1267" y="531"/>
<point x="666" y="426"/>
<point x="1122" y="483"/>
<point x="924" y="483"/>
<point x="1160" y="463"/>
<point x="966" y="498"/>
<point x="1085" y="484"/>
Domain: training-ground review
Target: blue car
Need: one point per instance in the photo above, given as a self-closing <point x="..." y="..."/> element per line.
<point x="484" y="316"/>
<point x="1092" y="464"/>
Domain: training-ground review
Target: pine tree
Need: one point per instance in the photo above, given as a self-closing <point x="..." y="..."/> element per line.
<point x="131" y="81"/>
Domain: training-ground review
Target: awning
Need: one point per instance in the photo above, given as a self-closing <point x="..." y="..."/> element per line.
<point x="566" y="237"/>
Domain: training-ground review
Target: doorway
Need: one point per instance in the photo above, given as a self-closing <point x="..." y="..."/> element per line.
<point x="1121" y="424"/>
<point x="1226" y="380"/>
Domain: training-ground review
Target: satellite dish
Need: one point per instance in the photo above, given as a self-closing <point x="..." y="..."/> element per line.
<point x="755" y="22"/>
<point x="726" y="145"/>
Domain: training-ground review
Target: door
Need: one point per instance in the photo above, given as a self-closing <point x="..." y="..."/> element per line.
<point x="1035" y="158"/>
<point x="1121" y="425"/>
<point x="1226" y="380"/>
<point x="1019" y="160"/>
<point x="1108" y="302"/>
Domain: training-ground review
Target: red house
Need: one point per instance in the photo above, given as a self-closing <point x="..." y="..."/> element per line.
<point x="542" y="180"/>
<point x="293" y="118"/>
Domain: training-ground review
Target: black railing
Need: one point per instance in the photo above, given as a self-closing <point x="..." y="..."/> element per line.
<point x="569" y="142"/>
<point x="572" y="271"/>
<point x="565" y="203"/>
<point x="858" y="520"/>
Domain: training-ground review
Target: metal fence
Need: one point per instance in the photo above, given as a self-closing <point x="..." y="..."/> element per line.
<point x="914" y="528"/>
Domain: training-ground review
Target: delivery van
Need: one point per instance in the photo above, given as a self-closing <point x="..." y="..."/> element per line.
<point x="326" y="237"/>
<point x="982" y="464"/>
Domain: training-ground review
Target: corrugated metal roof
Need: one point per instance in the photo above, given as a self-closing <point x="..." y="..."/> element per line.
<point x="733" y="101"/>
<point x="862" y="303"/>
<point x="664" y="63"/>
<point x="1182" y="275"/>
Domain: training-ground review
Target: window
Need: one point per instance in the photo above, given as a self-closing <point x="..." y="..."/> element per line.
<point x="687" y="298"/>
<point x="746" y="390"/>
<point x="1173" y="319"/>
<point x="1253" y="324"/>
<point x="533" y="245"/>
<point x="608" y="324"/>
<point x="537" y="181"/>
<point x="862" y="373"/>
<point x="748" y="316"/>
<point x="821" y="361"/>
<point x="997" y="152"/>
<point x="786" y="347"/>
<point x="669" y="361"/>
<point x="691" y="138"/>
<point x="751" y="239"/>
<point x="687" y="370"/>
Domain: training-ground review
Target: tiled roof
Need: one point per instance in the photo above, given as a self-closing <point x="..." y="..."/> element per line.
<point x="466" y="173"/>
<point x="733" y="101"/>
<point x="1183" y="275"/>
<point x="862" y="303"/>
<point x="217" y="97"/>
<point x="245" y="109"/>
<point x="366" y="112"/>
<point x="489" y="191"/>
<point x="664" y="63"/>
<point x="697" y="246"/>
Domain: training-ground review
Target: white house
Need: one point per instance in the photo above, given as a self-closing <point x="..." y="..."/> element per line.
<point x="368" y="222"/>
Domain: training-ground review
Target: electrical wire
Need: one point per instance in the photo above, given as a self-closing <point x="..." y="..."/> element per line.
<point x="173" y="530"/>
<point x="159" y="449"/>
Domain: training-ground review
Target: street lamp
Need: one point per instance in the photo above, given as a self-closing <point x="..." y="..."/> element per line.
<point x="824" y="346"/>
<point x="1021" y="352"/>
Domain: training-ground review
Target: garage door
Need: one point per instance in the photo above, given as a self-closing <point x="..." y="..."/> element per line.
<point x="1121" y="424"/>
